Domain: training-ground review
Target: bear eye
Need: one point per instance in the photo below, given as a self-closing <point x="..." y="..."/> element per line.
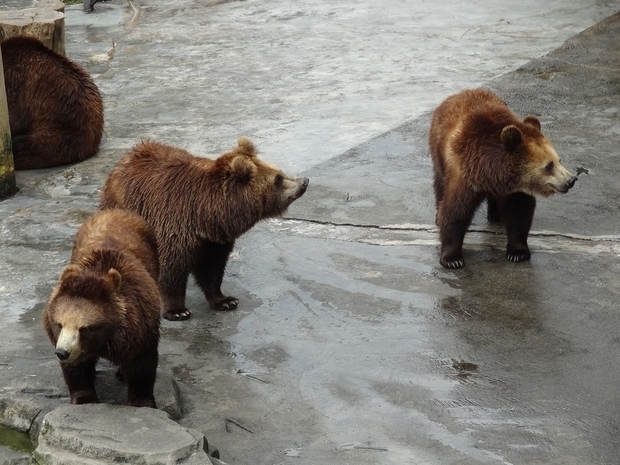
<point x="89" y="329"/>
<point x="279" y="179"/>
<point x="59" y="326"/>
<point x="549" y="167"/>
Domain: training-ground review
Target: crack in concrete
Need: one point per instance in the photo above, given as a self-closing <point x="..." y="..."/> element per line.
<point x="425" y="234"/>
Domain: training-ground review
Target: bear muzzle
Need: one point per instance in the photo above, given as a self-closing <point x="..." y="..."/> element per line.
<point x="68" y="346"/>
<point x="302" y="187"/>
<point x="62" y="354"/>
<point x="564" y="188"/>
<point x="571" y="182"/>
<point x="297" y="189"/>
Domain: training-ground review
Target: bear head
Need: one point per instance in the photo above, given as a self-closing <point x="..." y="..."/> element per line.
<point x="260" y="189"/>
<point x="81" y="313"/>
<point x="542" y="171"/>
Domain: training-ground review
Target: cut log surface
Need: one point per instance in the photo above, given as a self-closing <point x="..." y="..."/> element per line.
<point x="43" y="19"/>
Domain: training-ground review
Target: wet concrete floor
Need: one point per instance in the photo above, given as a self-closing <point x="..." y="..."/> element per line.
<point x="351" y="344"/>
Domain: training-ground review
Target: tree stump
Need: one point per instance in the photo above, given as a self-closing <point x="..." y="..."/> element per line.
<point x="7" y="169"/>
<point x="44" y="19"/>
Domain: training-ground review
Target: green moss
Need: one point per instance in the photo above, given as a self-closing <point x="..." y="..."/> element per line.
<point x="15" y="440"/>
<point x="71" y="2"/>
<point x="7" y="171"/>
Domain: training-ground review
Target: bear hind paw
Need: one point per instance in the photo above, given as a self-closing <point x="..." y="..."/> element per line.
<point x="225" y="303"/>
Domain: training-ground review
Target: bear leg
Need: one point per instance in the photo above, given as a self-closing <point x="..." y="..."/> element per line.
<point x="172" y="286"/>
<point x="80" y="380"/>
<point x="493" y="210"/>
<point x="454" y="217"/>
<point x="517" y="210"/>
<point x="439" y="193"/>
<point x="209" y="273"/>
<point x="141" y="373"/>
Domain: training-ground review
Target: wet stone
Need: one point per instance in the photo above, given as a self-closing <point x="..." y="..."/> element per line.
<point x="98" y="433"/>
<point x="11" y="457"/>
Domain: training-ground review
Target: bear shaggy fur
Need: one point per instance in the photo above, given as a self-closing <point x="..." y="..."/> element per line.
<point x="107" y="304"/>
<point x="198" y="207"/>
<point x="55" y="109"/>
<point x="481" y="150"/>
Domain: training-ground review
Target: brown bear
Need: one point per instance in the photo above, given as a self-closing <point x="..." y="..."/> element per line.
<point x="198" y="207"/>
<point x="55" y="109"/>
<point x="481" y="150"/>
<point x="107" y="305"/>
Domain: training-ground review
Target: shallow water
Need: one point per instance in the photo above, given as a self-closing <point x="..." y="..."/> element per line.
<point x="15" y="440"/>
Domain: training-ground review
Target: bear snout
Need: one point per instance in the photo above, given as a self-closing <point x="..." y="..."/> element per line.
<point x="571" y="182"/>
<point x="301" y="188"/>
<point x="304" y="186"/>
<point x="62" y="354"/>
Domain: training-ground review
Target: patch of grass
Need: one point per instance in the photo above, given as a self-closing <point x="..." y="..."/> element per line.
<point x="71" y="2"/>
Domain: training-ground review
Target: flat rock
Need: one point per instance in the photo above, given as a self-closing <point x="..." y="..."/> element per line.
<point x="98" y="433"/>
<point x="11" y="457"/>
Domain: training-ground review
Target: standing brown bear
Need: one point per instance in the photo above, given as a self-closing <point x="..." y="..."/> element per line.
<point x="481" y="150"/>
<point x="107" y="304"/>
<point x="198" y="207"/>
<point x="55" y="109"/>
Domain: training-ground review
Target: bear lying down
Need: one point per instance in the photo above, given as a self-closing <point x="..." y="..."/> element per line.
<point x="107" y="305"/>
<point x="198" y="207"/>
<point x="481" y="150"/>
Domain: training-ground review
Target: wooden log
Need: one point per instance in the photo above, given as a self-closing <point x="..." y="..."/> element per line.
<point x="45" y="21"/>
<point x="7" y="168"/>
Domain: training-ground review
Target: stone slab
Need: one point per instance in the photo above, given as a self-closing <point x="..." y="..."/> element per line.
<point x="11" y="457"/>
<point x="98" y="433"/>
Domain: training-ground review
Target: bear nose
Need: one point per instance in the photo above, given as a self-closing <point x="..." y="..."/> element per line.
<point x="305" y="182"/>
<point x="571" y="181"/>
<point x="62" y="354"/>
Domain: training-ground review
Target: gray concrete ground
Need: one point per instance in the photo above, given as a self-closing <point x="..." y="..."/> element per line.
<point x="351" y="344"/>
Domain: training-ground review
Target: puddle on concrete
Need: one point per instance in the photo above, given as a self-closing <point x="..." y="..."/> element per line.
<point x="15" y="440"/>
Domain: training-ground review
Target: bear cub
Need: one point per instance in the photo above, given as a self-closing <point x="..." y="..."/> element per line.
<point x="55" y="109"/>
<point x="198" y="207"/>
<point x="481" y="150"/>
<point x="107" y="305"/>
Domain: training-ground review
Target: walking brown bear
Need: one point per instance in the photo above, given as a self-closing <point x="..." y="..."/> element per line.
<point x="198" y="207"/>
<point x="107" y="305"/>
<point x="481" y="150"/>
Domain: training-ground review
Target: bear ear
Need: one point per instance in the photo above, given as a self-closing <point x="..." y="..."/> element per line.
<point x="511" y="137"/>
<point x="70" y="271"/>
<point x="242" y="169"/>
<point x="115" y="279"/>
<point x="532" y="121"/>
<point x="245" y="147"/>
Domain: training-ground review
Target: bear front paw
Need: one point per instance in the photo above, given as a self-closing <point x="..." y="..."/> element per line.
<point x="179" y="314"/>
<point x="86" y="396"/>
<point x="453" y="264"/>
<point x="146" y="402"/>
<point x="517" y="255"/>
<point x="452" y="259"/>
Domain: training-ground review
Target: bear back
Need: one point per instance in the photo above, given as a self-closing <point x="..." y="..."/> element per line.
<point x="214" y="200"/>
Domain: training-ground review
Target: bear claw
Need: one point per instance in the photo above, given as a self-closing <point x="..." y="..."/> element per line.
<point x="230" y="303"/>
<point x="453" y="264"/>
<point x="517" y="257"/>
<point x="177" y="316"/>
